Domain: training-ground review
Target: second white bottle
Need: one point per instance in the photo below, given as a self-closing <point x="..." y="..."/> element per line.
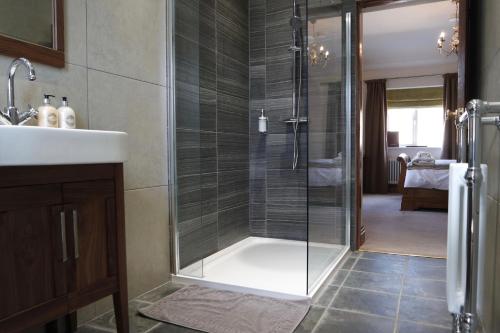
<point x="66" y="115"/>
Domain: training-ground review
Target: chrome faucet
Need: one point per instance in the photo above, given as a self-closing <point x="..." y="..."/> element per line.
<point x="11" y="115"/>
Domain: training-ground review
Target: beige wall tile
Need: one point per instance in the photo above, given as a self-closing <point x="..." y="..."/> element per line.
<point x="70" y="81"/>
<point x="128" y="37"/>
<point x="75" y="30"/>
<point x="138" y="108"/>
<point x="148" y="249"/>
<point x="489" y="32"/>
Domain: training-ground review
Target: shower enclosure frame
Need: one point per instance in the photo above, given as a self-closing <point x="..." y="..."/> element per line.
<point x="172" y="161"/>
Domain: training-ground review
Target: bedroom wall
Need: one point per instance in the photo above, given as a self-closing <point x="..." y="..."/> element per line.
<point x="486" y="82"/>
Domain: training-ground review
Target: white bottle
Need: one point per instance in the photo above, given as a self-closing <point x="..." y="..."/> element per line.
<point x="47" y="114"/>
<point x="262" y="122"/>
<point x="67" y="118"/>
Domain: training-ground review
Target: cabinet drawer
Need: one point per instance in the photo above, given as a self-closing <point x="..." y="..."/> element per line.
<point x="12" y="198"/>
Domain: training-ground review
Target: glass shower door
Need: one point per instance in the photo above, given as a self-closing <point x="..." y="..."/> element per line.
<point x="195" y="137"/>
<point x="329" y="131"/>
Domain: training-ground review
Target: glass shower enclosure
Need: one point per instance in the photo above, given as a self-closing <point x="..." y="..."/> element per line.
<point x="267" y="209"/>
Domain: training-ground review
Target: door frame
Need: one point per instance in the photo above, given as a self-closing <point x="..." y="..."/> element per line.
<point x="464" y="93"/>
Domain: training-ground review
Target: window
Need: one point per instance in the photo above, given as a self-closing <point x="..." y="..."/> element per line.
<point x="417" y="126"/>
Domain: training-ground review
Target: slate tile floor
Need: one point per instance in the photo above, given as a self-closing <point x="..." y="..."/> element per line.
<point x="369" y="293"/>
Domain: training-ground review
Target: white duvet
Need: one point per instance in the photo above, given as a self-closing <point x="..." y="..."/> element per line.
<point x="427" y="178"/>
<point x="321" y="177"/>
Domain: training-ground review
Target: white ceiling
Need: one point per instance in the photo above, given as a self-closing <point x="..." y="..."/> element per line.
<point x="404" y="37"/>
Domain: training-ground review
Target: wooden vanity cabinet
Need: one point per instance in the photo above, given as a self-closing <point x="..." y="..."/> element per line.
<point x="62" y="243"/>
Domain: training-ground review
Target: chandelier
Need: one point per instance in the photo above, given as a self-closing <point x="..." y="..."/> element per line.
<point x="318" y="53"/>
<point x="455" y="40"/>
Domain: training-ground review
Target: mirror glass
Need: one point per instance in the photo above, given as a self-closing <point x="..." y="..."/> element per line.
<point x="28" y="20"/>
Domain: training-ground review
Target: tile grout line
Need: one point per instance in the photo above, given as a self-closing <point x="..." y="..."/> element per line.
<point x="126" y="77"/>
<point x="216" y="50"/>
<point x="322" y="317"/>
<point x="153" y="328"/>
<point x="100" y="328"/>
<point x="266" y="110"/>
<point x="398" y="307"/>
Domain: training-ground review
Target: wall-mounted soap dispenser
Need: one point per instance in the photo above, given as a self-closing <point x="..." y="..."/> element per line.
<point x="263" y="122"/>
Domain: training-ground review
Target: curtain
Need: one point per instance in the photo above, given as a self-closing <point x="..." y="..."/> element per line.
<point x="450" y="91"/>
<point x="375" y="160"/>
<point x="334" y="123"/>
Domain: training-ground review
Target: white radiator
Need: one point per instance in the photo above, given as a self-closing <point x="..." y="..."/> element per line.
<point x="394" y="170"/>
<point x="456" y="269"/>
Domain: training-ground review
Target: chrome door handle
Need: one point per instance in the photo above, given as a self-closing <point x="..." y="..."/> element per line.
<point x="63" y="237"/>
<point x="75" y="233"/>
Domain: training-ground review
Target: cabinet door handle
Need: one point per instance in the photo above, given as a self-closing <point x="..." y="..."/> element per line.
<point x="75" y="233"/>
<point x="63" y="237"/>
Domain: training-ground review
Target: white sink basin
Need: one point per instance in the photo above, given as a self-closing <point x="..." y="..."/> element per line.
<point x="28" y="145"/>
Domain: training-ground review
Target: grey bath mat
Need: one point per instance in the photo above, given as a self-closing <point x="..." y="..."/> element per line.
<point x="221" y="311"/>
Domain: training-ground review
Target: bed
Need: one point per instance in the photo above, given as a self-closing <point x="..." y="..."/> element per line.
<point x="423" y="187"/>
<point x="326" y="182"/>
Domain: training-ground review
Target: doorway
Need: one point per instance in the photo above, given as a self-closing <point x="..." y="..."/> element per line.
<point x="399" y="58"/>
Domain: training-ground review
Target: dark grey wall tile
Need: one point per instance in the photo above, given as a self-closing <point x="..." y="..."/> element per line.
<point x="195" y="20"/>
<point x="258" y="191"/>
<point x="233" y="226"/>
<point x="232" y="116"/>
<point x="232" y="76"/>
<point x="212" y="102"/>
<point x="258" y="228"/>
<point x="209" y="194"/>
<point x="289" y="212"/>
<point x="258" y="88"/>
<point x="278" y="5"/>
<point x="279" y="70"/>
<point x="198" y="243"/>
<point x="234" y="10"/>
<point x="286" y="178"/>
<point x="286" y="230"/>
<point x="257" y="56"/>
<point x="233" y="189"/>
<point x="293" y="195"/>
<point x="258" y="211"/>
<point x="232" y="39"/>
<point x="257" y="15"/>
<point x="280" y="151"/>
<point x="232" y="152"/>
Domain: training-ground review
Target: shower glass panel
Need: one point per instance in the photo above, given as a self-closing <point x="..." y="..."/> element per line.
<point x="265" y="211"/>
<point x="196" y="167"/>
<point x="328" y="157"/>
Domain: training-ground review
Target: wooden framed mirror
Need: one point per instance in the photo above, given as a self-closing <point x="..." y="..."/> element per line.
<point x="33" y="29"/>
